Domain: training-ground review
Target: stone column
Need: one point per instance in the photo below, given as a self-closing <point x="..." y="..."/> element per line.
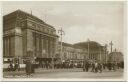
<point x="51" y="48"/>
<point x="7" y="46"/>
<point x="42" y="48"/>
<point x="18" y="46"/>
<point x="34" y="44"/>
<point x="40" y="45"/>
<point x="53" y="52"/>
<point x="29" y="40"/>
<point x="47" y="48"/>
<point x="49" y="45"/>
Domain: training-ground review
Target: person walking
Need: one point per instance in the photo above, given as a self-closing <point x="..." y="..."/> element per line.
<point x="96" y="67"/>
<point x="10" y="67"/>
<point x="87" y="66"/>
<point x="93" y="67"/>
<point x="104" y="65"/>
<point x="28" y="68"/>
<point x="100" y="66"/>
<point x="16" y="66"/>
<point x="32" y="67"/>
<point x="84" y="65"/>
<point x="109" y="66"/>
<point x="114" y="66"/>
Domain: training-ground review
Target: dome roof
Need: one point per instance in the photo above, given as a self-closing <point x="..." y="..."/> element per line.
<point x="94" y="46"/>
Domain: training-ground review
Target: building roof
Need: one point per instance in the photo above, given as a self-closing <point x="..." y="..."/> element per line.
<point x="94" y="46"/>
<point x="116" y="53"/>
<point x="70" y="45"/>
<point x="66" y="44"/>
<point x="25" y="15"/>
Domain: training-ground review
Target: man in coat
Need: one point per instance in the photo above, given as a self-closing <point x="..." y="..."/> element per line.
<point x="86" y="66"/>
<point x="28" y="67"/>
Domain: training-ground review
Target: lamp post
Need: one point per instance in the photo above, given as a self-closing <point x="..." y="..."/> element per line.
<point x="111" y="44"/>
<point x="88" y="47"/>
<point x="61" y="32"/>
<point x="106" y="53"/>
<point x="100" y="53"/>
<point x="85" y="58"/>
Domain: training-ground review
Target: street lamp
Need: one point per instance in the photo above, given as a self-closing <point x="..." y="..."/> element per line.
<point x="88" y="47"/>
<point x="100" y="51"/>
<point x="61" y="32"/>
<point x="111" y="44"/>
<point x="87" y="55"/>
<point x="106" y="53"/>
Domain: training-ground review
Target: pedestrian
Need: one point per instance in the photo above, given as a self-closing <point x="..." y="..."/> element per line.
<point x="28" y="68"/>
<point x="84" y="65"/>
<point x="16" y="66"/>
<point x="114" y="66"/>
<point x="93" y="67"/>
<point x="109" y="66"/>
<point x="75" y="65"/>
<point x="46" y="64"/>
<point x="100" y="67"/>
<point x="96" y="67"/>
<point x="104" y="65"/>
<point x="118" y="65"/>
<point x="32" y="67"/>
<point x="87" y="66"/>
<point x="10" y="67"/>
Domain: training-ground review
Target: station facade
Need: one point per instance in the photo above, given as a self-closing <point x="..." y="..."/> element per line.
<point x="25" y="35"/>
<point x="70" y="52"/>
<point x="95" y="51"/>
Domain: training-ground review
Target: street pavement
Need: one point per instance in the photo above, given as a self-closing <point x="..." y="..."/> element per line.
<point x="66" y="73"/>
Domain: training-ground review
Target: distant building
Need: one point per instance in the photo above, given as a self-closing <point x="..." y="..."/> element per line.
<point x="70" y="53"/>
<point x="25" y="35"/>
<point x="116" y="57"/>
<point x="95" y="51"/>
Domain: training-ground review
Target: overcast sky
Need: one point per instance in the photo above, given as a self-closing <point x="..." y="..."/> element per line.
<point x="99" y="21"/>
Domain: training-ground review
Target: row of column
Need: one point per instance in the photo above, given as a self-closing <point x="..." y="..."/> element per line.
<point x="70" y="55"/>
<point x="94" y="56"/>
<point x="8" y="47"/>
<point x="44" y="46"/>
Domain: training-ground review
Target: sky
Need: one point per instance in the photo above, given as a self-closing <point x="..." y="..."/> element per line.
<point x="98" y="21"/>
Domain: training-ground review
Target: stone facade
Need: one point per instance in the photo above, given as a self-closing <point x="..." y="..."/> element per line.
<point x="95" y="51"/>
<point x="69" y="52"/>
<point x="25" y="35"/>
<point x="116" y="57"/>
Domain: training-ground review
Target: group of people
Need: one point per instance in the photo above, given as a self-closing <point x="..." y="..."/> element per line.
<point x="58" y="65"/>
<point x="67" y="65"/>
<point x="29" y="66"/>
<point x="46" y="64"/>
<point x="14" y="67"/>
<point x="97" y="66"/>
